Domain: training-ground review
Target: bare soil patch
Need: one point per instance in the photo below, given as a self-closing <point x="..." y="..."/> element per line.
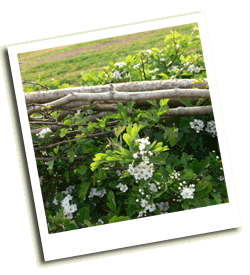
<point x="79" y="51"/>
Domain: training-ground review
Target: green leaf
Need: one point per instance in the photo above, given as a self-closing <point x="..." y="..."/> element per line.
<point x="171" y="135"/>
<point x="185" y="158"/>
<point x="164" y="102"/>
<point x="153" y="102"/>
<point x="185" y="101"/>
<point x="101" y="174"/>
<point x="82" y="169"/>
<point x="59" y="213"/>
<point x="84" y="214"/>
<point x="64" y="131"/>
<point x="204" y="192"/>
<point x="56" y="150"/>
<point x="162" y="110"/>
<point x="66" y="175"/>
<point x="111" y="204"/>
<point x="69" y="224"/>
<point x="130" y="105"/>
<point x="185" y="204"/>
<point x="189" y="176"/>
<point x="88" y="223"/>
<point x="83" y="190"/>
<point x="71" y="156"/>
<point x="201" y="185"/>
<point x="118" y="219"/>
<point x="217" y="197"/>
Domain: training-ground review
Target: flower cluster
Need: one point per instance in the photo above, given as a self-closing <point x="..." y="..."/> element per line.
<point x="186" y="191"/>
<point x="153" y="71"/>
<point x="136" y="66"/>
<point x="193" y="69"/>
<point x="164" y="206"/>
<point x="141" y="171"/>
<point x="116" y="74"/>
<point x="42" y="133"/>
<point x="175" y="175"/>
<point x="144" y="170"/>
<point x="68" y="209"/>
<point x="68" y="190"/>
<point x="120" y="64"/>
<point x="145" y="204"/>
<point x="100" y="193"/>
<point x="211" y="128"/>
<point x="197" y="124"/>
<point x="122" y="187"/>
<point x="174" y="68"/>
<point x="146" y="51"/>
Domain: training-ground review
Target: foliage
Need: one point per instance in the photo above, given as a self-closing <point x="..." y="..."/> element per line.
<point x="67" y="64"/>
<point x="134" y="162"/>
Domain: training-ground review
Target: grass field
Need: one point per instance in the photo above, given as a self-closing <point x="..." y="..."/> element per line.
<point x="67" y="63"/>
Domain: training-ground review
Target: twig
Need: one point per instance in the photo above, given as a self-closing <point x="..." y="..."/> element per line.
<point x="34" y="83"/>
<point x="73" y="140"/>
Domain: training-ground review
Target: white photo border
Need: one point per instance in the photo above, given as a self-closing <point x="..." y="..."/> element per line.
<point x="140" y="231"/>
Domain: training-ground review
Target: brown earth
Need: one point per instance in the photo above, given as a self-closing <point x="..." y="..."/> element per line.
<point x="76" y="52"/>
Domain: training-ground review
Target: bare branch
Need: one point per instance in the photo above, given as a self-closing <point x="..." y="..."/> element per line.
<point x="73" y="140"/>
<point x="133" y="96"/>
<point x="52" y="95"/>
<point x="34" y="83"/>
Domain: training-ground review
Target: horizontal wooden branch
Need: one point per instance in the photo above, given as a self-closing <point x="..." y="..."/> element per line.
<point x="123" y="96"/>
<point x="64" y="158"/>
<point x="52" y="95"/>
<point x="190" y="111"/>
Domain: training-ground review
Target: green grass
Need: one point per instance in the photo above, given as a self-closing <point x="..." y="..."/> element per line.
<point x="69" y="70"/>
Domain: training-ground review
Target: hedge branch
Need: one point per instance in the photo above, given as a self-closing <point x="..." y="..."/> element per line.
<point x="52" y="95"/>
<point x="64" y="158"/>
<point x="73" y="140"/>
<point x="114" y="95"/>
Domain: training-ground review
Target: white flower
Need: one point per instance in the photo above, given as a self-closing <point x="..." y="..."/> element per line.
<point x="197" y="125"/>
<point x="120" y="64"/>
<point x="124" y="188"/>
<point x="101" y="221"/>
<point x="153" y="77"/>
<point x="69" y="216"/>
<point x="164" y="206"/>
<point x="144" y="203"/>
<point x="145" y="159"/>
<point x="187" y="193"/>
<point x="211" y="128"/>
<point x="41" y="180"/>
<point x="153" y="187"/>
<point x="42" y="133"/>
<point x="118" y="173"/>
<point x="135" y="155"/>
<point x="102" y="193"/>
<point x="148" y="51"/>
<point x="136" y="66"/>
<point x="162" y="59"/>
<point x="55" y="201"/>
<point x="65" y="202"/>
<point x="116" y="74"/>
<point x="152" y="207"/>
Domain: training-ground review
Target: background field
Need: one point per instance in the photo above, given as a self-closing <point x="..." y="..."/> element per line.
<point x="67" y="63"/>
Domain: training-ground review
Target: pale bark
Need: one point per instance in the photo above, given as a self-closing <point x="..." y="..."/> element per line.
<point x="123" y="96"/>
<point x="52" y="95"/>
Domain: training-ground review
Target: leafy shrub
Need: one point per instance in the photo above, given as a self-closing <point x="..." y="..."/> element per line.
<point x="135" y="162"/>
